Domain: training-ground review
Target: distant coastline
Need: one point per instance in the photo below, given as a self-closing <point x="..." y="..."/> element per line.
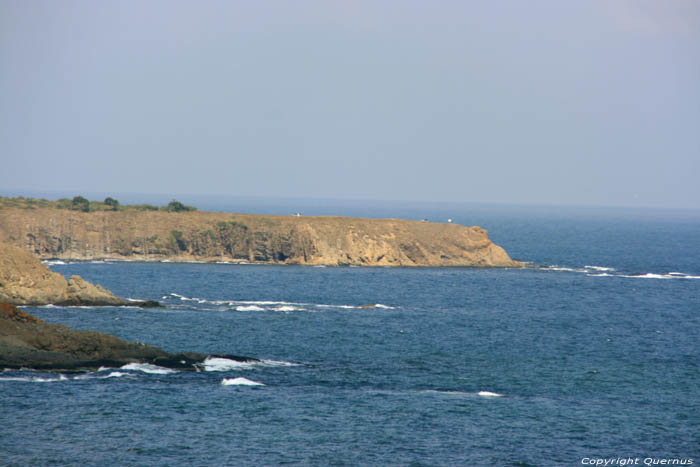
<point x="78" y="229"/>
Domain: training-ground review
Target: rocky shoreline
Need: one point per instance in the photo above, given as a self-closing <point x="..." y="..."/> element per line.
<point x="28" y="342"/>
<point x="25" y="280"/>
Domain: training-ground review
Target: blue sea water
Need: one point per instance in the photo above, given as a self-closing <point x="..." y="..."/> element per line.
<point x="592" y="353"/>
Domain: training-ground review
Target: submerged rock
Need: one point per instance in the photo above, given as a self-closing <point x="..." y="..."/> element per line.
<point x="28" y="342"/>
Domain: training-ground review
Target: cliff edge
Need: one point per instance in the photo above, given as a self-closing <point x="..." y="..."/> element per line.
<point x="210" y="236"/>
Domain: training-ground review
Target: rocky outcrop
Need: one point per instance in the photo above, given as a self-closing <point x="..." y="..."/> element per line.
<point x="28" y="342"/>
<point x="208" y="236"/>
<point x="25" y="280"/>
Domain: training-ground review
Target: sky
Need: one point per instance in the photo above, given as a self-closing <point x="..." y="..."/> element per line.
<point x="592" y="102"/>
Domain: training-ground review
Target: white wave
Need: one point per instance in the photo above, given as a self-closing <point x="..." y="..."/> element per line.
<point x="148" y="368"/>
<point x="560" y="268"/>
<point x="34" y="379"/>
<point x="599" y="268"/>
<point x="264" y="305"/>
<point x="278" y="363"/>
<point x="96" y="375"/>
<point x="249" y="308"/>
<point x="239" y="382"/>
<point x="651" y="275"/>
<point x="488" y="394"/>
<point x="648" y="275"/>
<point x="225" y="364"/>
<point x="53" y="262"/>
<point x="449" y="393"/>
<point x="602" y="274"/>
<point x="115" y="374"/>
<point x="267" y="302"/>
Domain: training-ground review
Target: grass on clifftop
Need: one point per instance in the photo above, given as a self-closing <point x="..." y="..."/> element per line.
<point x="79" y="203"/>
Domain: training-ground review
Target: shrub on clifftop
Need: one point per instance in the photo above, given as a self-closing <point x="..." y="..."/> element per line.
<point x="176" y="206"/>
<point x="80" y="204"/>
<point x="112" y="203"/>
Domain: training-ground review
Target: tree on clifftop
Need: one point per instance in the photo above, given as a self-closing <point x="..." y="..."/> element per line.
<point x="113" y="203"/>
<point x="80" y="204"/>
<point x="176" y="206"/>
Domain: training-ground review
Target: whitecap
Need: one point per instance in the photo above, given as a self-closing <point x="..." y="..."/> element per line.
<point x="649" y="275"/>
<point x="488" y="394"/>
<point x="96" y="375"/>
<point x="599" y="268"/>
<point x="239" y="382"/>
<point x="386" y="307"/>
<point x="278" y="363"/>
<point x="448" y="393"/>
<point x="249" y="308"/>
<point x="148" y="368"/>
<point x="225" y="364"/>
<point x="560" y="268"/>
<point x="34" y="379"/>
<point x="115" y="374"/>
<point x="266" y="302"/>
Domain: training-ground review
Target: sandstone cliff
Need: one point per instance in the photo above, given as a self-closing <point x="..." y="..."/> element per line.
<point x="25" y="280"/>
<point x="208" y="236"/>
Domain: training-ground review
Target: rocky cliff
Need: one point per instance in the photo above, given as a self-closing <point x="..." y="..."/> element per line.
<point x="25" y="280"/>
<point x="208" y="236"/>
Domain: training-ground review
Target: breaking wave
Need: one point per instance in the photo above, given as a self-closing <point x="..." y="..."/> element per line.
<point x="226" y="364"/>
<point x="269" y="305"/>
<point x="148" y="368"/>
<point x="239" y="382"/>
<point x="602" y="271"/>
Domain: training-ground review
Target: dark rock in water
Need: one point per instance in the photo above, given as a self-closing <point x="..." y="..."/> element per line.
<point x="149" y="304"/>
<point x="28" y="342"/>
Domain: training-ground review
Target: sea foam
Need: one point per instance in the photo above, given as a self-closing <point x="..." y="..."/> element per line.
<point x="488" y="394"/>
<point x="239" y="382"/>
<point x="148" y="368"/>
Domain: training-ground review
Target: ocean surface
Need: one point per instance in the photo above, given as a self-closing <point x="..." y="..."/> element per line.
<point x="591" y="353"/>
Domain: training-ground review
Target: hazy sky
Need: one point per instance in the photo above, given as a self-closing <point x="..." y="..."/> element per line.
<point x="554" y="102"/>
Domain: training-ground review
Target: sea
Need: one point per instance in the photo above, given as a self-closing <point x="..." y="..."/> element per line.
<point x="589" y="356"/>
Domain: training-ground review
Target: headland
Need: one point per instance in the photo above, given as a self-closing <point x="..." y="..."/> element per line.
<point x="51" y="232"/>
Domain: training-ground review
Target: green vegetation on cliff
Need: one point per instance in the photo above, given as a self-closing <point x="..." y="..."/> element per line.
<point x="80" y="203"/>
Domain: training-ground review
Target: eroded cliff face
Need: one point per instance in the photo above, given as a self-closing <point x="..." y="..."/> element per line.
<point x="207" y="236"/>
